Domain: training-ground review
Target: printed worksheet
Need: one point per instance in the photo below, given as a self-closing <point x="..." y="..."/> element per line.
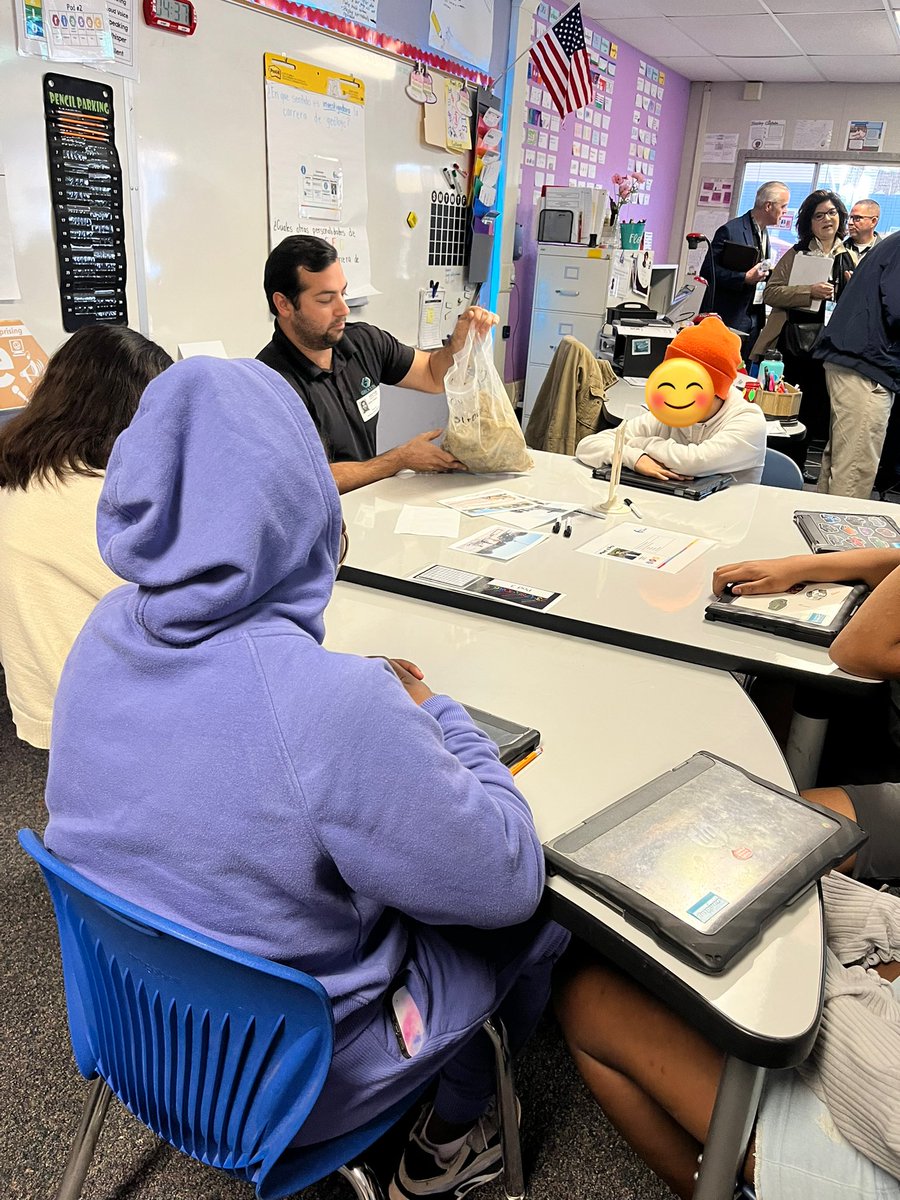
<point x="655" y="549"/>
<point x="521" y="511"/>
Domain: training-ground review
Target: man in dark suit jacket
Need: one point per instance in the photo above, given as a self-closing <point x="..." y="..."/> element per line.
<point x="738" y="294"/>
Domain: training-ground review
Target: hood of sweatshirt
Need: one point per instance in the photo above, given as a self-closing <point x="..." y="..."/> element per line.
<point x="219" y="502"/>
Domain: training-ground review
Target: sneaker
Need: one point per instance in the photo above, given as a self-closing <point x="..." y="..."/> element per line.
<point x="422" y="1173"/>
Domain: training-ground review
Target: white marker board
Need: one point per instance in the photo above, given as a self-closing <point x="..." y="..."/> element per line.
<point x="197" y="160"/>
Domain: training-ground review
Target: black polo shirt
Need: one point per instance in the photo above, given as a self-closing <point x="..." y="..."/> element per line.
<point x="344" y="401"/>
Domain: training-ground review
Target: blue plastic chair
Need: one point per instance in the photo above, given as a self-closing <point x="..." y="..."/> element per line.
<point x="781" y="471"/>
<point x="221" y="1053"/>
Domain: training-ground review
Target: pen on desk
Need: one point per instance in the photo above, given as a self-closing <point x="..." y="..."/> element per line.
<point x="567" y="532"/>
<point x="634" y="508"/>
<point x="557" y="525"/>
<point x="523" y="762"/>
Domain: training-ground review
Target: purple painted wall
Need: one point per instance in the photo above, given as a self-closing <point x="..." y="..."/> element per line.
<point x="619" y="107"/>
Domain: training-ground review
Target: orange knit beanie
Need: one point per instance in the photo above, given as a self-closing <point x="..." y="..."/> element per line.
<point x="712" y="345"/>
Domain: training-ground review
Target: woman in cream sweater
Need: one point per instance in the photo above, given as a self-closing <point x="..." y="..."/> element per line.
<point x="52" y="459"/>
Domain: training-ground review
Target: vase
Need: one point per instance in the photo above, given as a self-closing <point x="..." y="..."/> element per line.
<point x="631" y="234"/>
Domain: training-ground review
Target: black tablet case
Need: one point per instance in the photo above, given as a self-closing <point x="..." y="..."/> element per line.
<point x="687" y="489"/>
<point x="736" y="256"/>
<point x="723" y="609"/>
<point x="826" y="532"/>
<point x="710" y="953"/>
<point x="513" y="741"/>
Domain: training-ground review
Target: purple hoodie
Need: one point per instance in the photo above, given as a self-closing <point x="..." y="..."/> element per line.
<point x="213" y="763"/>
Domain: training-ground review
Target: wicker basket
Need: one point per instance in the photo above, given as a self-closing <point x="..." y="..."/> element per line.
<point x="778" y="404"/>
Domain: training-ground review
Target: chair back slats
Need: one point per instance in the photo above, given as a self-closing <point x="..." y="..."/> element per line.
<point x="219" y="1052"/>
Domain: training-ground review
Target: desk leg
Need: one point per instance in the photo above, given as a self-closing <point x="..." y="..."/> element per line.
<point x="729" y="1131"/>
<point x="803" y="752"/>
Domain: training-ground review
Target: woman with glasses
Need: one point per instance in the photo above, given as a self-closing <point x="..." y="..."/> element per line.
<point x="799" y="310"/>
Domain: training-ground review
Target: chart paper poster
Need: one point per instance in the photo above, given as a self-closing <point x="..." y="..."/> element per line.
<point x="9" y="282"/>
<point x="365" y="11"/>
<point x="86" y="191"/>
<point x="463" y="29"/>
<point x="316" y="162"/>
<point x="22" y="363"/>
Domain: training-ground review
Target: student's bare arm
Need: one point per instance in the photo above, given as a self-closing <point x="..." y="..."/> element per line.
<point x="759" y="577"/>
<point x="869" y="645"/>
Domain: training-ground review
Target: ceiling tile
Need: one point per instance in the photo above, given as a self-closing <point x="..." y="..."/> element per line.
<point x="654" y="37"/>
<point x="775" y="70"/>
<point x="814" y="8"/>
<point x="602" y="11"/>
<point x="860" y="68"/>
<point x="758" y="37"/>
<point x="707" y="68"/>
<point x="830" y="37"/>
<point x="708" y="8"/>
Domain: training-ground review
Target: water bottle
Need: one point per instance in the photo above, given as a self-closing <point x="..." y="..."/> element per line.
<point x="771" y="370"/>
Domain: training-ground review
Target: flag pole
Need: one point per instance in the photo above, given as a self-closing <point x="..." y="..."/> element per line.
<point x="507" y="70"/>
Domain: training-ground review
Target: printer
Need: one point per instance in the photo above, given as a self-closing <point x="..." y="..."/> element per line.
<point x="641" y="337"/>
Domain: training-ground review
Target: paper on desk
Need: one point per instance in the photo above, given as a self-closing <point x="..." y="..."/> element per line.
<point x="499" y="542"/>
<point x="655" y="549"/>
<point x="810" y="268"/>
<point x="427" y="522"/>
<point x="521" y="511"/>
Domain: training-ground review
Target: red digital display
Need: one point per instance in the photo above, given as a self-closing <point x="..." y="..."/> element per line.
<point x="176" y="16"/>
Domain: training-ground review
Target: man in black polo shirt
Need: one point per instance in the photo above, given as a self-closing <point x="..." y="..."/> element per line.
<point x="336" y="367"/>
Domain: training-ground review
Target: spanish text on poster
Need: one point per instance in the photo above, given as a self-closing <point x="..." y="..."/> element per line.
<point x="316" y="161"/>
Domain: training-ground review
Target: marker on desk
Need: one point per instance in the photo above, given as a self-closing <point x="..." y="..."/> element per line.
<point x="567" y="532"/>
<point x="634" y="508"/>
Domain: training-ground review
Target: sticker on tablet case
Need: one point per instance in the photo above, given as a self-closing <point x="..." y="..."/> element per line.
<point x="707" y="907"/>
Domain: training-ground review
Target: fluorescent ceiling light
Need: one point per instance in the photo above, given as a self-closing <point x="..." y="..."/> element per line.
<point x="897" y="16"/>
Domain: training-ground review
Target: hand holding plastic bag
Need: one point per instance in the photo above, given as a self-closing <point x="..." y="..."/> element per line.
<point x="482" y="430"/>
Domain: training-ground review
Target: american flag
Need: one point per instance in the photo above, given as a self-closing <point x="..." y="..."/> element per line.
<point x="561" y="57"/>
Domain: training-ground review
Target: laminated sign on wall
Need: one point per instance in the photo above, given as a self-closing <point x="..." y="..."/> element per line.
<point x="316" y="161"/>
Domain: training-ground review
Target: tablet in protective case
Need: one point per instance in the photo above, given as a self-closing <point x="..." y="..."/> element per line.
<point x="701" y="858"/>
<point x="809" y="612"/>
<point x="513" y="741"/>
<point x="826" y="531"/>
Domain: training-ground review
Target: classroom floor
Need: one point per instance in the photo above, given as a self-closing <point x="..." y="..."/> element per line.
<point x="570" y="1149"/>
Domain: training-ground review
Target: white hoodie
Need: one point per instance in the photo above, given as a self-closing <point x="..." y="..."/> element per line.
<point x="732" y="441"/>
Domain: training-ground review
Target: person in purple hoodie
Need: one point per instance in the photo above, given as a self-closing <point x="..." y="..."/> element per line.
<point x="212" y="762"/>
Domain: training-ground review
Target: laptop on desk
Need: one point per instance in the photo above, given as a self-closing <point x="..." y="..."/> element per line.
<point x="687" y="489"/>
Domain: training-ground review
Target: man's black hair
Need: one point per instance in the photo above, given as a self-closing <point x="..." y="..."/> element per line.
<point x="282" y="274"/>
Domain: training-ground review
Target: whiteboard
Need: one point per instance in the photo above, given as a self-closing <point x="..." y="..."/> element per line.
<point x="198" y="180"/>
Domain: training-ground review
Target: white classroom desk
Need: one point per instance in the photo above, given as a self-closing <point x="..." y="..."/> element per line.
<point x="624" y="400"/>
<point x="612" y="719"/>
<point x="606" y="600"/>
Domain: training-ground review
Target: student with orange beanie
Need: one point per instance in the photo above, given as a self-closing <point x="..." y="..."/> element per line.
<point x="727" y="433"/>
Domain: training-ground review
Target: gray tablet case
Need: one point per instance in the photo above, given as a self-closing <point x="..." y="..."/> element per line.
<point x="813" y="626"/>
<point x="555" y="225"/>
<point x="723" y="849"/>
<point x="826" y="532"/>
<point x="687" y="489"/>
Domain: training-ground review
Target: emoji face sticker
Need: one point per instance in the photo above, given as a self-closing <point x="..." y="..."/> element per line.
<point x="680" y="392"/>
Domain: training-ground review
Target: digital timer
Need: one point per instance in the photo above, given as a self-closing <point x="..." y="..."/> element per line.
<point x="177" y="16"/>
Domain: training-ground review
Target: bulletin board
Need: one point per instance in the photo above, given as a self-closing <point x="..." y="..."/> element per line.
<point x="191" y="135"/>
